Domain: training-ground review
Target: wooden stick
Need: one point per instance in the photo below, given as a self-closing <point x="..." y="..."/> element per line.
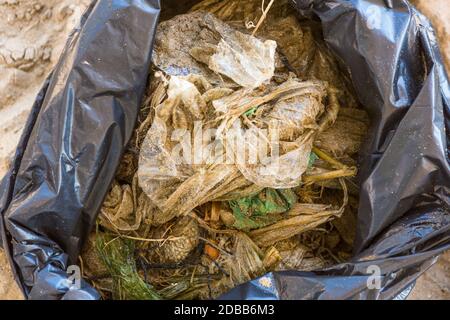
<point x="263" y="17"/>
<point x="330" y="175"/>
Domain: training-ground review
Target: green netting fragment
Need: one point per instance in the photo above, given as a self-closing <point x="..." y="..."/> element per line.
<point x="262" y="209"/>
<point x="118" y="257"/>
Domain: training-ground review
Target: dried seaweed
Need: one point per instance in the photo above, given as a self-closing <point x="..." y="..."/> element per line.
<point x="118" y="257"/>
<point x="297" y="256"/>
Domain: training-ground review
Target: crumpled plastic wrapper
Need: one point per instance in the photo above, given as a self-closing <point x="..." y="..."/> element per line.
<point x="289" y="113"/>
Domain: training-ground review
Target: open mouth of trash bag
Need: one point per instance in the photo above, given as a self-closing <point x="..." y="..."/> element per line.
<point x="272" y="149"/>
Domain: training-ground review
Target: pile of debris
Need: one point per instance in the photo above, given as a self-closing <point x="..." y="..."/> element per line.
<point x="243" y="162"/>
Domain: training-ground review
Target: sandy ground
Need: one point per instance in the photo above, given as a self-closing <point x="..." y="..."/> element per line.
<point x="32" y="35"/>
<point x="435" y="283"/>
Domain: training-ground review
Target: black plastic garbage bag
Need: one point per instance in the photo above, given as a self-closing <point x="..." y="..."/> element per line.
<point x="84" y="116"/>
<point x="79" y="126"/>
